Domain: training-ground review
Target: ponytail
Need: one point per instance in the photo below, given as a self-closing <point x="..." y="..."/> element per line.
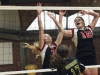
<point x="59" y="59"/>
<point x="57" y="62"/>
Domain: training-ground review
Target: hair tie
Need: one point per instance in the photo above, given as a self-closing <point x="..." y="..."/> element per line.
<point x="64" y="58"/>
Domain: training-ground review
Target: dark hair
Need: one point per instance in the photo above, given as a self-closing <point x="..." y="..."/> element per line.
<point x="58" y="60"/>
<point x="80" y="18"/>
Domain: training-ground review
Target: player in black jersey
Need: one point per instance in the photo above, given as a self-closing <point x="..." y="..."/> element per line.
<point x="45" y="41"/>
<point x="82" y="36"/>
<point x="65" y="65"/>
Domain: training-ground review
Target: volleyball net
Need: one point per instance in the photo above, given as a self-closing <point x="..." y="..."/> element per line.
<point x="39" y="70"/>
<point x="46" y="8"/>
<point x="13" y="24"/>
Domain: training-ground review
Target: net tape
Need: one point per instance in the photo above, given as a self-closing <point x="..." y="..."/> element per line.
<point x="46" y="8"/>
<point x="39" y="70"/>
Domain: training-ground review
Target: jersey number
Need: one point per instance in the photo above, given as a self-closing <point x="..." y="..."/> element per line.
<point x="76" y="68"/>
<point x="86" y="34"/>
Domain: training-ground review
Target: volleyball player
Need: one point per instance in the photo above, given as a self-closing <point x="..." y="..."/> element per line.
<point x="83" y="39"/>
<point x="66" y="65"/>
<point x="45" y="41"/>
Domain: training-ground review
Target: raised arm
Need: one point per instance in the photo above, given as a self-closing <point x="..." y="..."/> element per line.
<point x="66" y="32"/>
<point x="60" y="35"/>
<point x="51" y="15"/>
<point x="41" y="31"/>
<point x="94" y="14"/>
<point x="61" y="14"/>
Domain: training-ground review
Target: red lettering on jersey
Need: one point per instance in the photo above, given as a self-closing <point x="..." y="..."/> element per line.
<point x="88" y="34"/>
<point x="83" y="35"/>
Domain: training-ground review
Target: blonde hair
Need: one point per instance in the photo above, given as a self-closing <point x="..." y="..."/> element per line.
<point x="35" y="48"/>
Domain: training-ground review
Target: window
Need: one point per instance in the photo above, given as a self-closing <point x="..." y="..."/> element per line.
<point x="47" y="22"/>
<point x="87" y="19"/>
<point x="6" y="53"/>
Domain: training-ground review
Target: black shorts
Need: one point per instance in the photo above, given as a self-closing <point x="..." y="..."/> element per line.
<point x="88" y="60"/>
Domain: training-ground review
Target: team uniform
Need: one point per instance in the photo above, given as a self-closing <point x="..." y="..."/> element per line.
<point x="45" y="54"/>
<point x="85" y="49"/>
<point x="73" y="67"/>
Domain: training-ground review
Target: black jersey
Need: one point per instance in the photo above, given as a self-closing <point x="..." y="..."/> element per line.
<point x="45" y="54"/>
<point x="73" y="67"/>
<point x="84" y="42"/>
